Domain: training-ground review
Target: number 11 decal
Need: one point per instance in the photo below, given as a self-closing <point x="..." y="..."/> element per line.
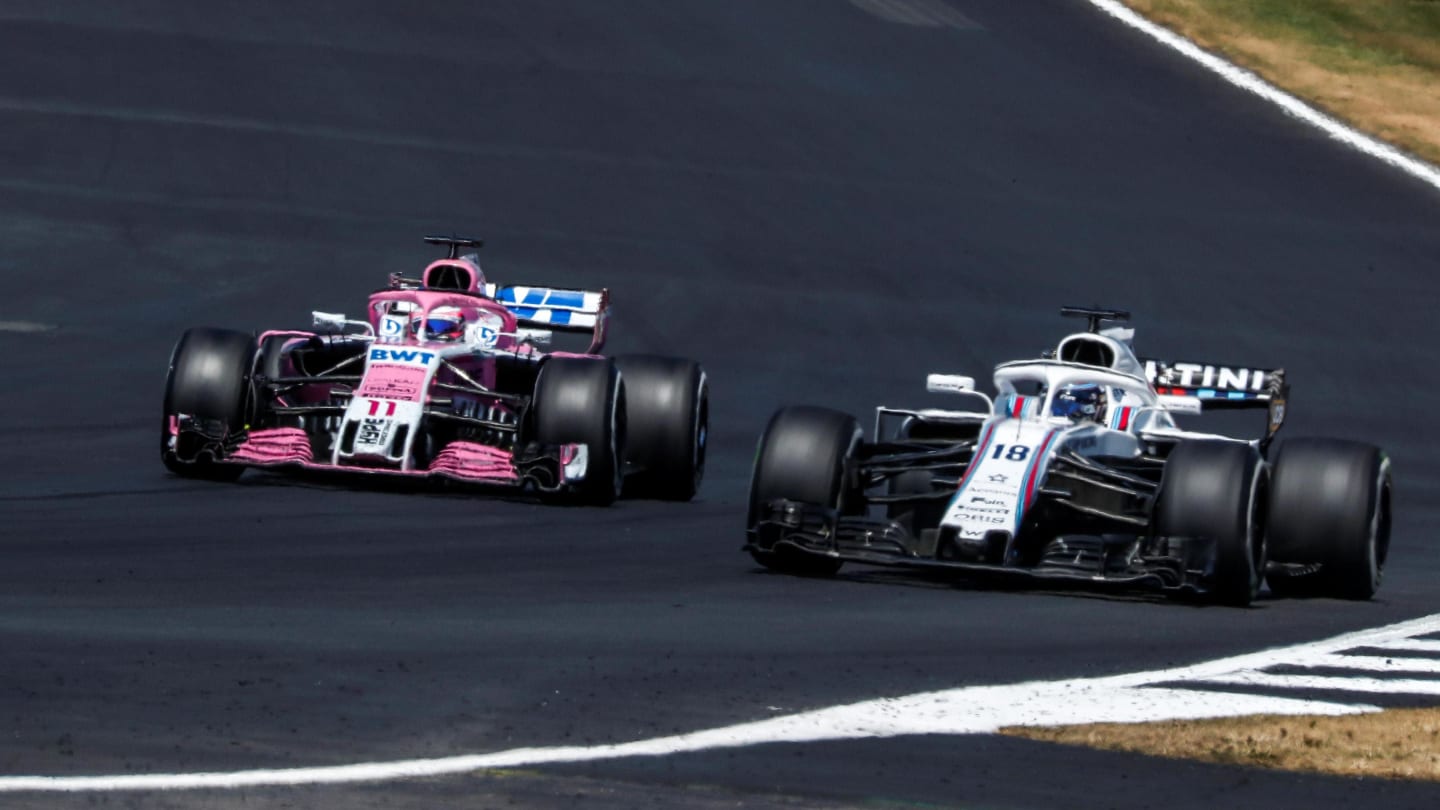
<point x="375" y="408"/>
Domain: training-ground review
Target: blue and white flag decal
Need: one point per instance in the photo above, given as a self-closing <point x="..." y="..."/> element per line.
<point x="545" y="305"/>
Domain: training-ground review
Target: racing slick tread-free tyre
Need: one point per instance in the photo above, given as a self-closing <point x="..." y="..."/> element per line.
<point x="209" y="378"/>
<point x="582" y="401"/>
<point x="802" y="457"/>
<point x="667" y="407"/>
<point x="1329" y="504"/>
<point x="1216" y="490"/>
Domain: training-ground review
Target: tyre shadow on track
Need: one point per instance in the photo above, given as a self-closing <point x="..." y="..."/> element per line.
<point x="444" y="489"/>
<point x="1018" y="584"/>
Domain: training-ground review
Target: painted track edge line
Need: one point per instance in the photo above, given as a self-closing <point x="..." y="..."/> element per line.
<point x="1291" y="105"/>
<point x="1130" y="697"/>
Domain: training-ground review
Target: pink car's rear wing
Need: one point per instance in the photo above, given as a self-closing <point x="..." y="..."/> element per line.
<point x="558" y="308"/>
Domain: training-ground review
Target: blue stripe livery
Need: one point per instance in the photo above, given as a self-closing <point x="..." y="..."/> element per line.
<point x="566" y="298"/>
<point x="1210" y="393"/>
<point x="559" y="317"/>
<point x="538" y="297"/>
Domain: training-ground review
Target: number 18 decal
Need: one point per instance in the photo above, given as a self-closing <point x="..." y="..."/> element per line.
<point x="1011" y="452"/>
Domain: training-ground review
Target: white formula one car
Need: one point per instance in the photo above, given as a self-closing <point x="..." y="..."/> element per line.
<point x="1077" y="470"/>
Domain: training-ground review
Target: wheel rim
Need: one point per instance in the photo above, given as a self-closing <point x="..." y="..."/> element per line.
<point x="702" y="430"/>
<point x="1256" y="544"/>
<point x="1377" y="547"/>
<point x="617" y="437"/>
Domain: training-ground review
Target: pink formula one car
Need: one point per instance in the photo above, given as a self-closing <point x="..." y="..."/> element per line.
<point x="444" y="377"/>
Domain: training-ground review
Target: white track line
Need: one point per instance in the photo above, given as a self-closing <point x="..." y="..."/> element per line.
<point x="1133" y="697"/>
<point x="1248" y="81"/>
<point x="1412" y="645"/>
<point x="1378" y="663"/>
<point x="1376" y="685"/>
<point x="974" y="710"/>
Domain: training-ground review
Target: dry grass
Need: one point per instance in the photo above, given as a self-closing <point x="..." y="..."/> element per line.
<point x="1372" y="63"/>
<point x="1397" y="744"/>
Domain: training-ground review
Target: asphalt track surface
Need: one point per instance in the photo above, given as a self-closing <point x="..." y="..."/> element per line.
<point x="818" y="203"/>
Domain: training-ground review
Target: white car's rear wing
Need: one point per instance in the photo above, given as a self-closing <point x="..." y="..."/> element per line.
<point x="1184" y="386"/>
<point x="1215" y="385"/>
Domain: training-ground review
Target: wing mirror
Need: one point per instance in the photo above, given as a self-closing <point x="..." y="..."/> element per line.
<point x="1180" y="404"/>
<point x="338" y="322"/>
<point x="328" y="320"/>
<point x="535" y="337"/>
<point x="949" y="384"/>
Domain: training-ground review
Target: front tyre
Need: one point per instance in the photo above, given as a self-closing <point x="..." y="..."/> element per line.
<point x="1216" y="491"/>
<point x="803" y="456"/>
<point x="209" y="382"/>
<point x="667" y="405"/>
<point x="582" y="401"/>
<point x="1330" y="514"/>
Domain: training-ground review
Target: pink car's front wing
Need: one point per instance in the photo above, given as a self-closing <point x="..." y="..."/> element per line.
<point x="462" y="461"/>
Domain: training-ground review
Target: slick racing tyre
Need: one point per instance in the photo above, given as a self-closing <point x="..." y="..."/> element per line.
<point x="1329" y="505"/>
<point x="582" y="401"/>
<point x="667" y="406"/>
<point x="1216" y="490"/>
<point x="802" y="457"/>
<point x="209" y="380"/>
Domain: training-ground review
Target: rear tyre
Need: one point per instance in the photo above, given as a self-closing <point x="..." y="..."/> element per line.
<point x="667" y="406"/>
<point x="1216" y="490"/>
<point x="209" y="379"/>
<point x="1330" y="504"/>
<point x="803" y="457"/>
<point x="582" y="401"/>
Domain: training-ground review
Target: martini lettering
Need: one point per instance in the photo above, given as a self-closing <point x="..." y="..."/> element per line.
<point x="1195" y="375"/>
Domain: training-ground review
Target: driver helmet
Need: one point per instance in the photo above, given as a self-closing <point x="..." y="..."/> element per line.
<point x="1079" y="402"/>
<point x="443" y="323"/>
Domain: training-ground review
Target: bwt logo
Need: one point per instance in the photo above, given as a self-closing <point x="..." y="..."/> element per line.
<point x="402" y="356"/>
